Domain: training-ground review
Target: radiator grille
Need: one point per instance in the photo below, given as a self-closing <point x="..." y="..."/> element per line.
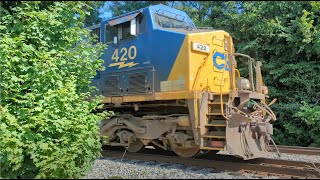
<point x="112" y="85"/>
<point x="137" y="83"/>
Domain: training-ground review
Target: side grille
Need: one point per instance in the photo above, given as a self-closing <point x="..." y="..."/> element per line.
<point x="112" y="85"/>
<point x="137" y="83"/>
<point x="127" y="82"/>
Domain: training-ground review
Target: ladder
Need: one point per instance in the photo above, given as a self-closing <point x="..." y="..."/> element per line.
<point x="214" y="137"/>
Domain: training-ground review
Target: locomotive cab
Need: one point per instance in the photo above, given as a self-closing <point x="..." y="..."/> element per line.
<point x="177" y="87"/>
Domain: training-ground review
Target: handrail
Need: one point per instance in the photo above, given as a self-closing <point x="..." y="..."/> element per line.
<point x="238" y="72"/>
<point x="250" y="59"/>
<point x="193" y="86"/>
<point x="221" y="99"/>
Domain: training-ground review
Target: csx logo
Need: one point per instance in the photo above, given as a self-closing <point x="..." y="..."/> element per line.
<point x="222" y="57"/>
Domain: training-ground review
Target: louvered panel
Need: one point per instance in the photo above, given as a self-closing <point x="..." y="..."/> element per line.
<point x="112" y="85"/>
<point x="137" y="83"/>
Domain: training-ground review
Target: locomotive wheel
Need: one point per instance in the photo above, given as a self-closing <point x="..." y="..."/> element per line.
<point x="185" y="152"/>
<point x="136" y="146"/>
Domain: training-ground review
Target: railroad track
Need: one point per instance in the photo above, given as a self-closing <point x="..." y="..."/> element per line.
<point x="259" y="167"/>
<point x="298" y="150"/>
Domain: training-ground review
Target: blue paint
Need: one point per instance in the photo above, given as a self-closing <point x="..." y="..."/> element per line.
<point x="157" y="48"/>
<point x="223" y="57"/>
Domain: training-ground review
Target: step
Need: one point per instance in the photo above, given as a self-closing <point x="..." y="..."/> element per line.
<point x="216" y="118"/>
<point x="212" y="148"/>
<point x="217" y="125"/>
<point x="215" y="110"/>
<point x="213" y="136"/>
<point x="214" y="114"/>
<point x="216" y="103"/>
<point x="217" y="100"/>
<point x="215" y="121"/>
<point x="216" y="133"/>
<point x="218" y="94"/>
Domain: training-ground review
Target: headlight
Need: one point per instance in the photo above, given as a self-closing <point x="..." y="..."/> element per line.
<point x="243" y="83"/>
<point x="265" y="90"/>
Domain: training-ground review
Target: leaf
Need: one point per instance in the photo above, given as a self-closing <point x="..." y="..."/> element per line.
<point x="47" y="126"/>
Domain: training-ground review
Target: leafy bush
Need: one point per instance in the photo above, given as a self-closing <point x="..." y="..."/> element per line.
<point x="284" y="36"/>
<point x="310" y="117"/>
<point x="47" y="128"/>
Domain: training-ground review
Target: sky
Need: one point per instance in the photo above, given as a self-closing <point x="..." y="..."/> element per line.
<point x="103" y="13"/>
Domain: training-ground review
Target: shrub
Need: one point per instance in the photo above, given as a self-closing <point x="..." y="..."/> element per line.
<point x="310" y="118"/>
<point x="47" y="128"/>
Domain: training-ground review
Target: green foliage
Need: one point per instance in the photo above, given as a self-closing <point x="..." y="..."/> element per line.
<point x="92" y="9"/>
<point x="207" y="13"/>
<point x="285" y="37"/>
<point x="47" y="129"/>
<point x="93" y="18"/>
<point x="310" y="116"/>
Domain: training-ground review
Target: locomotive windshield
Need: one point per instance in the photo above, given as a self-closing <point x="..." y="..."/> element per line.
<point x="169" y="22"/>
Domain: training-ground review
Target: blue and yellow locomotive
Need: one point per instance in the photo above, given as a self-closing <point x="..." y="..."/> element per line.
<point x="177" y="87"/>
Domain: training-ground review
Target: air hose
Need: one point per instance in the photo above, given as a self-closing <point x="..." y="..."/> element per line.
<point x="278" y="153"/>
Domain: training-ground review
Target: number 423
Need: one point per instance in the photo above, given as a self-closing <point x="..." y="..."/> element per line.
<point x="130" y="53"/>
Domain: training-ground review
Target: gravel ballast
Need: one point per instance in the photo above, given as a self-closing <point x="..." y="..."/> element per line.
<point x="295" y="157"/>
<point x="108" y="168"/>
<point x="290" y="157"/>
<point x="115" y="169"/>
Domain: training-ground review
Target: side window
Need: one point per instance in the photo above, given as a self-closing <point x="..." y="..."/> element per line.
<point x="169" y="22"/>
<point x="141" y="24"/>
<point x="96" y="31"/>
<point x="125" y="30"/>
<point x="111" y="32"/>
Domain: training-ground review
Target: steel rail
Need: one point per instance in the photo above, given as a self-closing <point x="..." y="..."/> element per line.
<point x="281" y="168"/>
<point x="297" y="150"/>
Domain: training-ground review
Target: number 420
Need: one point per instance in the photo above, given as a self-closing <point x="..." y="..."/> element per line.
<point x="130" y="53"/>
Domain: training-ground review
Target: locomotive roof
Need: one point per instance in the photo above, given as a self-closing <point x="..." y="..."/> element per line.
<point x="152" y="8"/>
<point x="193" y="30"/>
<point x="126" y="14"/>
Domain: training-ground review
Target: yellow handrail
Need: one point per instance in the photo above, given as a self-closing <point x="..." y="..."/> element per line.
<point x="221" y="105"/>
<point x="238" y="72"/>
<point x="196" y="95"/>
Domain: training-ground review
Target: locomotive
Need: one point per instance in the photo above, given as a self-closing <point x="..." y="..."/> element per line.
<point x="176" y="86"/>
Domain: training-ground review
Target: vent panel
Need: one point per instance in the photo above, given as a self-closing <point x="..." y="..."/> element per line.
<point x="112" y="85"/>
<point x="137" y="83"/>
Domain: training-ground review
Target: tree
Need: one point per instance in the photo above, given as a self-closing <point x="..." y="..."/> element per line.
<point x="203" y="13"/>
<point x="47" y="128"/>
<point x="284" y="36"/>
<point x="310" y="115"/>
<point x="91" y="19"/>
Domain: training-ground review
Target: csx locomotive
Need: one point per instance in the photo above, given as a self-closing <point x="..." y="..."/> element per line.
<point x="176" y="86"/>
